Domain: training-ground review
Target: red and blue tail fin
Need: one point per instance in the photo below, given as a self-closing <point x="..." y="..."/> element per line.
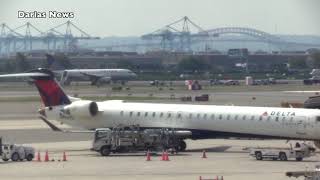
<point x="50" y="91"/>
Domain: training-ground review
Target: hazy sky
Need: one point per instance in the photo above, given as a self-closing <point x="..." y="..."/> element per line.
<point x="137" y="17"/>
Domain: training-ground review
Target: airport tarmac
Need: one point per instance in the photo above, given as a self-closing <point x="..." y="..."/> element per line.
<point x="19" y="124"/>
<point x="224" y="158"/>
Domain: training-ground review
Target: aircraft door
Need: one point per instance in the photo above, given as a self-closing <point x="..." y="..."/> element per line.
<point x="65" y="79"/>
<point x="108" y="74"/>
<point x="64" y="76"/>
<point x="301" y="126"/>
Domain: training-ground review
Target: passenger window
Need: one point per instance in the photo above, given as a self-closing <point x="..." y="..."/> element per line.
<point x="252" y="118"/>
<point x="146" y="114"/>
<point x="318" y="119"/>
<point x="169" y="115"/>
<point x="153" y="114"/>
<point x="269" y="117"/>
<point x="190" y="116"/>
<point x="205" y="116"/>
<point x="220" y="116"/>
<point x="161" y="114"/>
<point x="138" y="113"/>
<point x="244" y="117"/>
<point x="212" y="116"/>
<point x="260" y="118"/>
<point x="228" y="117"/>
<point x="179" y="115"/>
<point x="131" y="113"/>
<point x="198" y="116"/>
<point x="284" y="118"/>
<point x="277" y="119"/>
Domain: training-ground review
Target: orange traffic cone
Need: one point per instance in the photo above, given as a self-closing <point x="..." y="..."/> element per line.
<point x="204" y="155"/>
<point x="64" y="158"/>
<point x="148" y="156"/>
<point x="163" y="156"/>
<point x="46" y="157"/>
<point x="38" y="156"/>
<point x="167" y="156"/>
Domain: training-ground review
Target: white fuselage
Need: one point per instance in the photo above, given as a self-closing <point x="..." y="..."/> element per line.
<point x="204" y="120"/>
<point x="83" y="74"/>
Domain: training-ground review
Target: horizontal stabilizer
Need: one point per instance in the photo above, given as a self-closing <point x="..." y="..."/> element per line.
<point x="50" y="91"/>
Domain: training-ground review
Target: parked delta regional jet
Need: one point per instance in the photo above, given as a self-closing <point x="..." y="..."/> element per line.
<point x="204" y="121"/>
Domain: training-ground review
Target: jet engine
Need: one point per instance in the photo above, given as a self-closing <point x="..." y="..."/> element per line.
<point x="312" y="103"/>
<point x="82" y="109"/>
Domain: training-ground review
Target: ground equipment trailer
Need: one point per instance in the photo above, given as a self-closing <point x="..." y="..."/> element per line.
<point x="134" y="139"/>
<point x="299" y="152"/>
<point x="16" y="152"/>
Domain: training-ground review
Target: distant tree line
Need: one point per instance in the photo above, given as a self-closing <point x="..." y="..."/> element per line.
<point x="188" y="64"/>
<point x="18" y="64"/>
<point x="312" y="61"/>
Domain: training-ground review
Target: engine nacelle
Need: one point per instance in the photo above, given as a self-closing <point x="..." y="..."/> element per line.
<point x="82" y="109"/>
<point x="317" y="144"/>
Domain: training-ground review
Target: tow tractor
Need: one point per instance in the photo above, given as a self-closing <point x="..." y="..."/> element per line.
<point x="16" y="152"/>
<point x="300" y="151"/>
<point x="133" y="139"/>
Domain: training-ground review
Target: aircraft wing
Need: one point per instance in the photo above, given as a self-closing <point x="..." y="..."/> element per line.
<point x="30" y="74"/>
<point x="94" y="76"/>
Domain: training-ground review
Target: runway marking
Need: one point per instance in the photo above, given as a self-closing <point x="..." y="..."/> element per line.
<point x="301" y="91"/>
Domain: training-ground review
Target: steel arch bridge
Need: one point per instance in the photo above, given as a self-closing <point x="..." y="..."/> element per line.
<point x="262" y="36"/>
